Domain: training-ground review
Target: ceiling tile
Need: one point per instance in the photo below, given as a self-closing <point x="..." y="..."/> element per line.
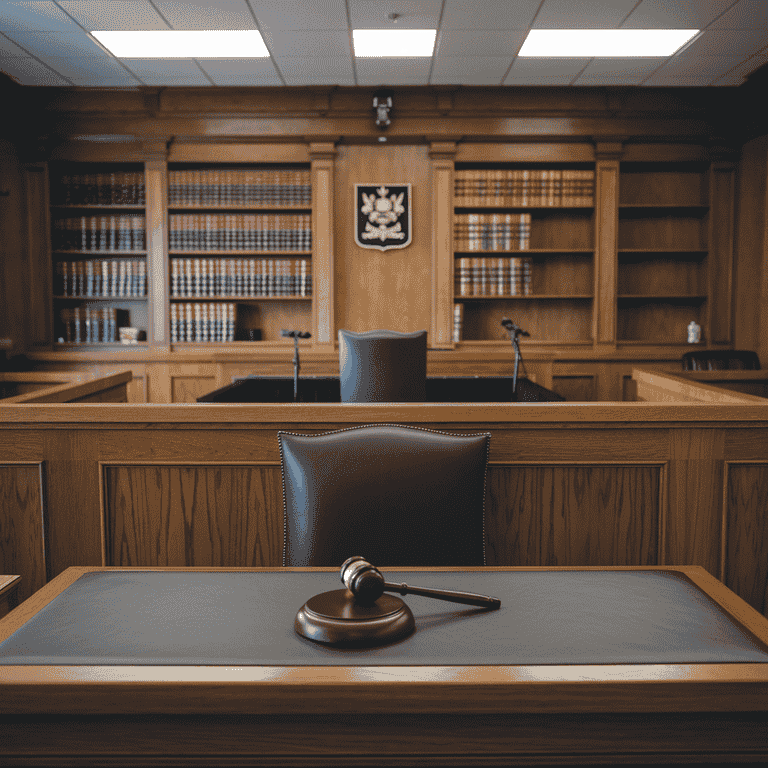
<point x="199" y="14"/>
<point x="414" y="14"/>
<point x="683" y="14"/>
<point x="576" y="14"/>
<point x="86" y="66"/>
<point x="35" y="17"/>
<point x="313" y="70"/>
<point x="9" y="49"/>
<point x="729" y="42"/>
<point x="240" y="71"/>
<point x="678" y="82"/>
<point x="686" y="68"/>
<point x="31" y="72"/>
<point x="491" y="14"/>
<point x="742" y="71"/>
<point x="618" y="71"/>
<point x="166" y="71"/>
<point x="477" y="70"/>
<point x="320" y="42"/>
<point x="114" y="14"/>
<point x="553" y="71"/>
<point x="57" y="44"/>
<point x="393" y="71"/>
<point x="473" y="42"/>
<point x="300" y="14"/>
<point x="746" y="14"/>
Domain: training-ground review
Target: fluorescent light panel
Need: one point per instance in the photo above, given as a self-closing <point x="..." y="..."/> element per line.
<point x="179" y="44"/>
<point x="606" y="43"/>
<point x="391" y="43"/>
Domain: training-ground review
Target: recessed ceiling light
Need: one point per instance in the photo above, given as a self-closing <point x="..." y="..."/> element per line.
<point x="607" y="43"/>
<point x="390" y="43"/>
<point x="181" y="44"/>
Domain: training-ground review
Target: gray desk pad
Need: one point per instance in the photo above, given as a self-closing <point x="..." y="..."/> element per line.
<point x="239" y="618"/>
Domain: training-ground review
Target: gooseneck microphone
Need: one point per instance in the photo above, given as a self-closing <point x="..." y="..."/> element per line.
<point x="367" y="584"/>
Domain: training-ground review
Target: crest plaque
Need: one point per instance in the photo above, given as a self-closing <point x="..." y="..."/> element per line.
<point x="383" y="216"/>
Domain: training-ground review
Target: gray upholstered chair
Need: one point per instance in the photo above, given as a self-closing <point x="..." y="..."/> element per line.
<point x="383" y="366"/>
<point x="395" y="495"/>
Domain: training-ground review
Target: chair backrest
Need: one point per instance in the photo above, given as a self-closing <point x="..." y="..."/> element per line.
<point x="721" y="360"/>
<point x="395" y="495"/>
<point x="383" y="366"/>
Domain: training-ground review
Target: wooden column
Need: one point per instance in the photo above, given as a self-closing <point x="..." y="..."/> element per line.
<point x="442" y="155"/>
<point x="156" y="180"/>
<point x="607" y="156"/>
<point x="720" y="257"/>
<point x="37" y="280"/>
<point x="322" y="155"/>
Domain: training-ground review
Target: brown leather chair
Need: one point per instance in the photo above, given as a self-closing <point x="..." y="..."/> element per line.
<point x="721" y="360"/>
<point x="383" y="366"/>
<point x="395" y="495"/>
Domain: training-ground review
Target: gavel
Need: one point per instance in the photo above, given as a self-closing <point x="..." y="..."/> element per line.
<point x="367" y="584"/>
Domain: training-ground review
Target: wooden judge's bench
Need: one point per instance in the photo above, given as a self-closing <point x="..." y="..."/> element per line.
<point x="678" y="479"/>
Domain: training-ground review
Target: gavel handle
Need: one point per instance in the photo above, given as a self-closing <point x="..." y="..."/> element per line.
<point x="467" y="598"/>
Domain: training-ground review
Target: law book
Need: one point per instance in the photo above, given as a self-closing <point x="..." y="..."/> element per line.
<point x="458" y="322"/>
<point x="174" y="324"/>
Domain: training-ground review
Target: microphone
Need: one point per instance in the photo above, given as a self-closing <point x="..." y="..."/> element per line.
<point x="513" y="328"/>
<point x="367" y="584"/>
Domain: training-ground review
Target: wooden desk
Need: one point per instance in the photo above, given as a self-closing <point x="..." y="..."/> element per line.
<point x="345" y="712"/>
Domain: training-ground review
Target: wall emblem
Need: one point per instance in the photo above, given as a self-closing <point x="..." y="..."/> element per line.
<point x="383" y="213"/>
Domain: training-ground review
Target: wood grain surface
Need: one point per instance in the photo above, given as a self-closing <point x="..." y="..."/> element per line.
<point x="199" y="515"/>
<point x="568" y="515"/>
<point x="746" y="522"/>
<point x="22" y="526"/>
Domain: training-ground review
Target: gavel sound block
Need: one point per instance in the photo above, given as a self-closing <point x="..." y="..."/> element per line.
<point x="362" y="615"/>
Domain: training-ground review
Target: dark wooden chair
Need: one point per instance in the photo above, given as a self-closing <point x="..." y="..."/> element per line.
<point x="383" y="366"/>
<point x="721" y="360"/>
<point x="395" y="495"/>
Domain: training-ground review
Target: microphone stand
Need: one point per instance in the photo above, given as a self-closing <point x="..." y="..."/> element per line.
<point x="295" y="335"/>
<point x="515" y="332"/>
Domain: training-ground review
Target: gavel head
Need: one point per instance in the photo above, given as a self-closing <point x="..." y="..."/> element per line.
<point x="362" y="579"/>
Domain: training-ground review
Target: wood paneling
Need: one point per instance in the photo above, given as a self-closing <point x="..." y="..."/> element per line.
<point x="564" y="515"/>
<point x="186" y="389"/>
<point x="749" y="275"/>
<point x="193" y="515"/>
<point x="22" y="526"/>
<point x="575" y="389"/>
<point x="606" y="200"/>
<point x="722" y="187"/>
<point x="441" y="331"/>
<point x="695" y="498"/>
<point x="389" y="289"/>
<point x="746" y="526"/>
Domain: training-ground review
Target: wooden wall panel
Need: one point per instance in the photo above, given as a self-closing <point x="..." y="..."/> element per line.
<point x="746" y="533"/>
<point x="575" y="388"/>
<point x="195" y="515"/>
<point x="186" y="389"/>
<point x="573" y="515"/>
<point x="695" y="498"/>
<point x="22" y="526"/>
<point x="390" y="289"/>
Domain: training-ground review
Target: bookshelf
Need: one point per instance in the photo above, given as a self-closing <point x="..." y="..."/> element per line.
<point x="524" y="247"/>
<point x="98" y="249"/>
<point x="240" y="251"/>
<point x="663" y="253"/>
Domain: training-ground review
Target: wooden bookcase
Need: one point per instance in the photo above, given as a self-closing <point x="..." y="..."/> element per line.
<point x="99" y="255"/>
<point x="239" y="243"/>
<point x="555" y="307"/>
<point x="663" y="252"/>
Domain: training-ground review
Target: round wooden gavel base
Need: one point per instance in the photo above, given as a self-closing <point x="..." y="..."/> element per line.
<point x="335" y="618"/>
